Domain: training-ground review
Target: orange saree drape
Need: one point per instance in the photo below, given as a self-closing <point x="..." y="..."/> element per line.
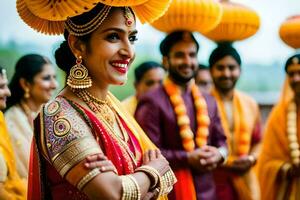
<point x="246" y="117"/>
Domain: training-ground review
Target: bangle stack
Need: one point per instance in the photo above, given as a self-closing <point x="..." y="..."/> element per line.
<point x="162" y="184"/>
<point x="131" y="189"/>
<point x="152" y="173"/>
<point x="168" y="180"/>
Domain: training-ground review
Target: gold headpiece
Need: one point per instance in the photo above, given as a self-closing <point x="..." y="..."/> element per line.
<point x="128" y="16"/>
<point x="84" y="29"/>
<point x="49" y="16"/>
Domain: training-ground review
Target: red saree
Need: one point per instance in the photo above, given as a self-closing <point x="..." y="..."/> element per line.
<point x="44" y="180"/>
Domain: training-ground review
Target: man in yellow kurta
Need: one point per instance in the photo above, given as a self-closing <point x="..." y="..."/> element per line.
<point x="240" y="118"/>
<point x="12" y="187"/>
<point x="279" y="163"/>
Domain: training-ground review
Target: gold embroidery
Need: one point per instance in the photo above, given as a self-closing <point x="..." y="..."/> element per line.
<point x="52" y="108"/>
<point x="61" y="127"/>
<point x="42" y="138"/>
<point x="75" y="152"/>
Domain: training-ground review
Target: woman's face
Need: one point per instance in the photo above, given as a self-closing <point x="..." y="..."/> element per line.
<point x="43" y="85"/>
<point x="110" y="50"/>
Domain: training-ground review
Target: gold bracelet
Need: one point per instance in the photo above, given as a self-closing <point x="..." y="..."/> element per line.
<point x="87" y="178"/>
<point x="168" y="180"/>
<point x="131" y="190"/>
<point x="137" y="187"/>
<point x="152" y="173"/>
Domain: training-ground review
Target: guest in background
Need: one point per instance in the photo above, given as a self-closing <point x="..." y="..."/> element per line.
<point x="11" y="185"/>
<point x="32" y="85"/>
<point x="148" y="75"/>
<point x="203" y="78"/>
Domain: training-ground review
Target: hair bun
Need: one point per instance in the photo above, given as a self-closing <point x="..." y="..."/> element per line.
<point x="64" y="57"/>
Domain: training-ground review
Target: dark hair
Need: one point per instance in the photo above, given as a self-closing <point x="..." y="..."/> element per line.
<point x="291" y="60"/>
<point x="224" y="49"/>
<point x="143" y="68"/>
<point x="63" y="55"/>
<point x="1" y="68"/>
<point x="27" y="67"/>
<point x="175" y="37"/>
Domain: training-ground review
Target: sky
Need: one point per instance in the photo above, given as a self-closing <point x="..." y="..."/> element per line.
<point x="264" y="47"/>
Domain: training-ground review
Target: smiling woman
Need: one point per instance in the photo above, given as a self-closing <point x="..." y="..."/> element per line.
<point x="86" y="146"/>
<point x="32" y="85"/>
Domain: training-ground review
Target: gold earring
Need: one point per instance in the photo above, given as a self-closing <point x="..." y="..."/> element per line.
<point x="79" y="77"/>
<point x="26" y="94"/>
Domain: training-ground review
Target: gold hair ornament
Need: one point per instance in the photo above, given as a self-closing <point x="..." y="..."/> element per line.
<point x="128" y="16"/>
<point x="92" y="25"/>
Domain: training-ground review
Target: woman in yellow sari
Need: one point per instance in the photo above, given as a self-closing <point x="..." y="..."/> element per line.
<point x="11" y="185"/>
<point x="279" y="163"/>
<point x="85" y="119"/>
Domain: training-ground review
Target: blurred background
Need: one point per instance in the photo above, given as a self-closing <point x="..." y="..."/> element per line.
<point x="263" y="54"/>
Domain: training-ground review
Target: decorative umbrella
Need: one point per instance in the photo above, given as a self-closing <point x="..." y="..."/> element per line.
<point x="238" y="22"/>
<point x="290" y="31"/>
<point x="190" y="15"/>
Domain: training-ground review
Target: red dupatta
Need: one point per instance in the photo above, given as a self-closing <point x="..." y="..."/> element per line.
<point x="124" y="159"/>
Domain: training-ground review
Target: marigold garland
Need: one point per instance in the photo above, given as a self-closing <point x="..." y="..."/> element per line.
<point x="242" y="136"/>
<point x="292" y="133"/>
<point x="183" y="120"/>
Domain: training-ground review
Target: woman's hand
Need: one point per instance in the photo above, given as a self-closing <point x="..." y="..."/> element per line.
<point x="155" y="159"/>
<point x="100" y="161"/>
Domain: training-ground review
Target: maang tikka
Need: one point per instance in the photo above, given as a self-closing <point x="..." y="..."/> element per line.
<point x="79" y="77"/>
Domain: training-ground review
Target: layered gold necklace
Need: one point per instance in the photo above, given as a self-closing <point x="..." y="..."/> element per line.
<point x="183" y="120"/>
<point x="104" y="110"/>
<point x="292" y="133"/>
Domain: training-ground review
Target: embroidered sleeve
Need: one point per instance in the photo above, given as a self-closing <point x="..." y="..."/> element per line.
<point x="3" y="169"/>
<point x="66" y="140"/>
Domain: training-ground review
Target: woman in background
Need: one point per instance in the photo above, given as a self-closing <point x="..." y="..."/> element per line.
<point x="32" y="85"/>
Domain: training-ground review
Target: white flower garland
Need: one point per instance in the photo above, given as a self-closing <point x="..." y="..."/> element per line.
<point x="292" y="133"/>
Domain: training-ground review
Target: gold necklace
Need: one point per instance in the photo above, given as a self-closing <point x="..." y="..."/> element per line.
<point x="104" y="109"/>
<point x="99" y="106"/>
<point x="92" y="104"/>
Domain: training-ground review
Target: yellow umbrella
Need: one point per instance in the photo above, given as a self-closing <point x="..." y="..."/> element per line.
<point x="190" y="15"/>
<point x="48" y="16"/>
<point x="290" y="31"/>
<point x="238" y="22"/>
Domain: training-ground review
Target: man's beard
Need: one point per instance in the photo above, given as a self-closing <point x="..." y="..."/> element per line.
<point x="178" y="78"/>
<point x="223" y="89"/>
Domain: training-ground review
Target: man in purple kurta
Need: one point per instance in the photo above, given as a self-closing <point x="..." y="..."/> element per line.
<point x="156" y="116"/>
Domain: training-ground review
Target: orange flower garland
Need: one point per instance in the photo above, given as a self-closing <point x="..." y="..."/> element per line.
<point x="183" y="120"/>
<point x="242" y="136"/>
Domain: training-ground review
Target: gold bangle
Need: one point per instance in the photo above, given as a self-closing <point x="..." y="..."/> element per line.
<point x="168" y="180"/>
<point x="152" y="173"/>
<point x="131" y="190"/>
<point x="87" y="178"/>
<point x="137" y="187"/>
